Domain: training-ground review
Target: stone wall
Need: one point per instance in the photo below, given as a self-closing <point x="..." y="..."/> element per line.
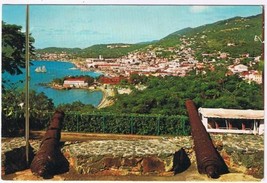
<point x="13" y="154"/>
<point x="139" y="157"/>
<point x="242" y="153"/>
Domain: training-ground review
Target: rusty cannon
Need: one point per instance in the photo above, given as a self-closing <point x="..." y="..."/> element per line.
<point x="49" y="160"/>
<point x="208" y="159"/>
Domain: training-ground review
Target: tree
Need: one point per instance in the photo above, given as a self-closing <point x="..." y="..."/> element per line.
<point x="89" y="80"/>
<point x="137" y="79"/>
<point x="13" y="49"/>
<point x="40" y="102"/>
<point x="58" y="81"/>
<point x="76" y="106"/>
<point x="13" y="111"/>
<point x="124" y="82"/>
<point x="166" y="96"/>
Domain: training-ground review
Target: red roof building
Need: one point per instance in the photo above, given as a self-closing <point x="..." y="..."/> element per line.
<point x="113" y="80"/>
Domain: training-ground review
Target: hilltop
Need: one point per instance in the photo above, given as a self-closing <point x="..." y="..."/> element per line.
<point x="235" y="36"/>
<point x="59" y="50"/>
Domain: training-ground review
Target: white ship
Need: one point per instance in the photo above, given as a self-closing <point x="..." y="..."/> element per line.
<point x="41" y="69"/>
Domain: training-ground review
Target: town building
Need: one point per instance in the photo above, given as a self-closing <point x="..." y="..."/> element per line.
<point x="218" y="120"/>
<point x="223" y="55"/>
<point x="75" y="83"/>
<point x="238" y="68"/>
<point x="110" y="80"/>
<point x="254" y="76"/>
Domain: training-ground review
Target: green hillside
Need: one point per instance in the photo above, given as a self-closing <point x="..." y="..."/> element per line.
<point x="172" y="39"/>
<point x="59" y="50"/>
<point x="110" y="50"/>
<point x="234" y="36"/>
<point x="106" y="50"/>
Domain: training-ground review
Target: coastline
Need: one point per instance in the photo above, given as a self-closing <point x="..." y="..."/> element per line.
<point x="105" y="102"/>
<point x="107" y="93"/>
<point x="82" y="67"/>
<point x="52" y="61"/>
<point x="78" y="64"/>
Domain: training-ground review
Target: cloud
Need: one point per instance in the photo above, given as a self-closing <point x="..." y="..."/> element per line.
<point x="198" y="9"/>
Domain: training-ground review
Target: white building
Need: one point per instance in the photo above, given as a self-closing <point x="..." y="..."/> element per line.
<point x="254" y="76"/>
<point x="75" y="82"/>
<point x="239" y="68"/>
<point x="218" y="120"/>
<point x="173" y="64"/>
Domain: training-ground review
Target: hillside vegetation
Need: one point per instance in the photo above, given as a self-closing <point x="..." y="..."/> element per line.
<point x="234" y="36"/>
<point x="105" y="50"/>
<point x="59" y="50"/>
<point x="110" y="50"/>
<point x="167" y="95"/>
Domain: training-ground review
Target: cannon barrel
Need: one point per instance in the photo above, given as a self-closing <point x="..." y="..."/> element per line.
<point x="49" y="156"/>
<point x="208" y="159"/>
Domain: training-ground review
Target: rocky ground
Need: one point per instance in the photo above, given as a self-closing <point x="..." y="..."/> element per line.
<point x="242" y="153"/>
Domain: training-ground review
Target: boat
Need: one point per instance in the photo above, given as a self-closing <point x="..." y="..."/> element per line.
<point x="73" y="68"/>
<point x="41" y="69"/>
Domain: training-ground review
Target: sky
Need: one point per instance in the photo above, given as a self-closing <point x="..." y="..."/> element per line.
<point x="81" y="26"/>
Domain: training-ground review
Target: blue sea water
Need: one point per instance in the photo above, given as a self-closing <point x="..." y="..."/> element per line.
<point x="57" y="70"/>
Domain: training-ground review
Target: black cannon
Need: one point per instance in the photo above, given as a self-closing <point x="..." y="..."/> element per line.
<point x="208" y="159"/>
<point x="49" y="160"/>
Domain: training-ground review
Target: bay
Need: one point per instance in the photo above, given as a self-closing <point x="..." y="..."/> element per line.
<point x="56" y="69"/>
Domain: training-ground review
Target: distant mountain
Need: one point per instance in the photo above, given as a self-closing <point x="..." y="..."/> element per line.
<point x="110" y="50"/>
<point x="59" y="50"/>
<point x="106" y="50"/>
<point x="148" y="42"/>
<point x="234" y="36"/>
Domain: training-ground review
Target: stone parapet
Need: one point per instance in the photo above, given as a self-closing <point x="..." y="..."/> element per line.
<point x="241" y="153"/>
<point x="130" y="157"/>
<point x="13" y="154"/>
